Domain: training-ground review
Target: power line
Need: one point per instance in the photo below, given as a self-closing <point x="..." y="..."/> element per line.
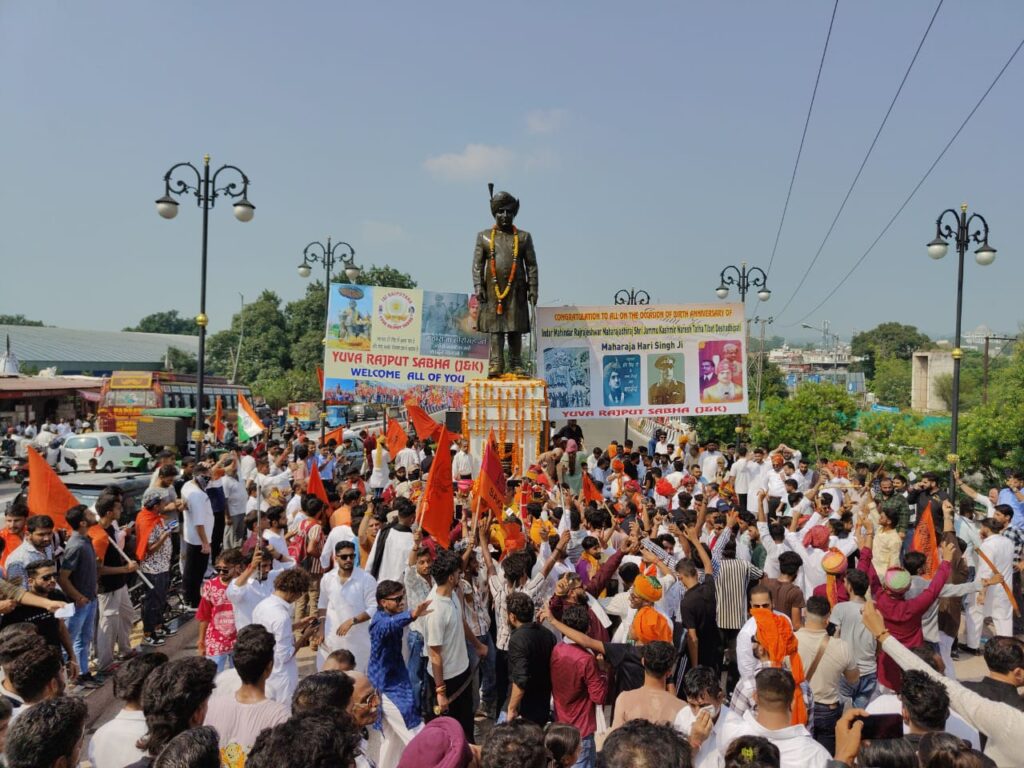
<point x="916" y="187"/>
<point x="863" y="163"/>
<point x="803" y="136"/>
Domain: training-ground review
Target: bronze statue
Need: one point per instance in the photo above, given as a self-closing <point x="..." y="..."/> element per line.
<point x="505" y="282"/>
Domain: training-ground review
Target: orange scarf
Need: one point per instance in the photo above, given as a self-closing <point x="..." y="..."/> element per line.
<point x="775" y="634"/>
<point x="145" y="522"/>
<point x="594" y="565"/>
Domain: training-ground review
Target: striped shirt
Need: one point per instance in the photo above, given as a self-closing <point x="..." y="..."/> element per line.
<point x="731" y="582"/>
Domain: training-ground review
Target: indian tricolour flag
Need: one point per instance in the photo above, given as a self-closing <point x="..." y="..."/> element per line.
<point x="249" y="424"/>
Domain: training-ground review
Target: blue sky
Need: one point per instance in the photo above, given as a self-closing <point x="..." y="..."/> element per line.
<point x="651" y="145"/>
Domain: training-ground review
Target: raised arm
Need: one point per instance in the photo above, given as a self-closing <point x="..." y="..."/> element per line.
<point x="580" y="638"/>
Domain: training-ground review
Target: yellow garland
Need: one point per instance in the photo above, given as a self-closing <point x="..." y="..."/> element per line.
<point x="494" y="270"/>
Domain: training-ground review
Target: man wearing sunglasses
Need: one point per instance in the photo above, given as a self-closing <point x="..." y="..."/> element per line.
<point x="348" y="600"/>
<point x="42" y="582"/>
<point x="388" y="672"/>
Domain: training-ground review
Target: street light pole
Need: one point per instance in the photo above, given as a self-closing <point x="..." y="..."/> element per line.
<point x="744" y="279"/>
<point x="206" y="193"/>
<point x="317" y="252"/>
<point x="632" y="296"/>
<point x="985" y="255"/>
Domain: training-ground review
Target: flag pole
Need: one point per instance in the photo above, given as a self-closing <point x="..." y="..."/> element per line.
<point x="127" y="559"/>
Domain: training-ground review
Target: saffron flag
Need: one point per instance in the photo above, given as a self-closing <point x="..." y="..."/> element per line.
<point x="315" y="485"/>
<point x="396" y="438"/>
<point x="426" y="428"/>
<point x="320" y="378"/>
<point x="47" y="494"/>
<point x="218" y="421"/>
<point x="337" y="435"/>
<point x="926" y="542"/>
<point x="438" y="505"/>
<point x="491" y="488"/>
<point x="249" y="424"/>
<point x="589" y="490"/>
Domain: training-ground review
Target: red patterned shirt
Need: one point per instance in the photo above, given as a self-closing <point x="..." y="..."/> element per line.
<point x="215" y="608"/>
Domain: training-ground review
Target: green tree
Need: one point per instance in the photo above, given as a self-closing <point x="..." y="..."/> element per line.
<point x="180" y="361"/>
<point x="293" y="386"/>
<point x="305" y="320"/>
<point x="992" y="435"/>
<point x="221" y="348"/>
<point x="812" y="418"/>
<point x="19" y="320"/>
<point x="891" y="382"/>
<point x="383" y="276"/>
<point x="905" y="441"/>
<point x="166" y="322"/>
<point x="885" y="341"/>
<point x="265" y="343"/>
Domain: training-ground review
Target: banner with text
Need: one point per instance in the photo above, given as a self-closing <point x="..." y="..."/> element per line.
<point x="386" y="345"/>
<point x="643" y="360"/>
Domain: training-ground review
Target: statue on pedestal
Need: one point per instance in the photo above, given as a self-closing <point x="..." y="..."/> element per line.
<point x="505" y="282"/>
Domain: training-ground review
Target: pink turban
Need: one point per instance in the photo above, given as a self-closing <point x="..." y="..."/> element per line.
<point x="817" y="537"/>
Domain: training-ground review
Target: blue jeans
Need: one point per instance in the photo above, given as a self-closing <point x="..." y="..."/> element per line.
<point x="81" y="627"/>
<point x="588" y="753"/>
<point x="416" y="663"/>
<point x="486" y="672"/>
<point x="223" y="661"/>
<point x="862" y="692"/>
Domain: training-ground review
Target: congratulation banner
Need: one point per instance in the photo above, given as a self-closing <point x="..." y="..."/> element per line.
<point x="386" y="345"/>
<point x="643" y="360"/>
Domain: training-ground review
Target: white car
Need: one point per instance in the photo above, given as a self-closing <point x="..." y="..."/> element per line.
<point x="110" y="449"/>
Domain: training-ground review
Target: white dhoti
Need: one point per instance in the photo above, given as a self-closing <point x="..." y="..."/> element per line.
<point x="396" y="734"/>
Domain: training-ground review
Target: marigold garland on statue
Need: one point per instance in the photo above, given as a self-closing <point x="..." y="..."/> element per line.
<point x="501" y="295"/>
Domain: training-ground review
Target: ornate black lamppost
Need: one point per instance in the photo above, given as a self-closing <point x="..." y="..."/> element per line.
<point x="317" y="252"/>
<point x="960" y="231"/>
<point x="744" y="279"/>
<point x="206" y="193"/>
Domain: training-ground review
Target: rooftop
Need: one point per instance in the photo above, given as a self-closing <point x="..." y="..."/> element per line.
<point x="45" y="346"/>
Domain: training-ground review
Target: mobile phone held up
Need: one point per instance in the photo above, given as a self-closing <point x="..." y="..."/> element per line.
<point x="882" y="727"/>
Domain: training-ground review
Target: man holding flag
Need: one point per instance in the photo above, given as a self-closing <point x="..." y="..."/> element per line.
<point x="249" y="424"/>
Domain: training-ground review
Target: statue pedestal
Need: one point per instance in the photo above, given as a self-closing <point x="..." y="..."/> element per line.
<point x="516" y="410"/>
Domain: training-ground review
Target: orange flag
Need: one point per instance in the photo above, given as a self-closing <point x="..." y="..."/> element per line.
<point x="47" y="494"/>
<point x="491" y="487"/>
<point x="396" y="439"/>
<point x="315" y="485"/>
<point x="320" y="379"/>
<point x="438" y="508"/>
<point x="590" y="492"/>
<point x="218" y="421"/>
<point x="926" y="542"/>
<point x="426" y="428"/>
<point x="337" y="435"/>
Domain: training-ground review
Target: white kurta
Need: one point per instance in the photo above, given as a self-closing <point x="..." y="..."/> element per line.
<point x="999" y="550"/>
<point x="275" y="614"/>
<point x="396" y="555"/>
<point x="343" y="601"/>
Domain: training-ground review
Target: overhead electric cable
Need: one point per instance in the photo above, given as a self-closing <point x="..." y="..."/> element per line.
<point x="916" y="187"/>
<point x="803" y="136"/>
<point x="863" y="163"/>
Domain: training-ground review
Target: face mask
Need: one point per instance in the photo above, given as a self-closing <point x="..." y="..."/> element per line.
<point x="712" y="709"/>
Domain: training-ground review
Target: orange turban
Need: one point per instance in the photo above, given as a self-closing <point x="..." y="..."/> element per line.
<point x="617" y="465"/>
<point x="650" y="626"/>
<point x="647" y="588"/>
<point x="775" y="634"/>
<point x="834" y="564"/>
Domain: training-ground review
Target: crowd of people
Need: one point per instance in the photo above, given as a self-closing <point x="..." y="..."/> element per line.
<point x="687" y="607"/>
